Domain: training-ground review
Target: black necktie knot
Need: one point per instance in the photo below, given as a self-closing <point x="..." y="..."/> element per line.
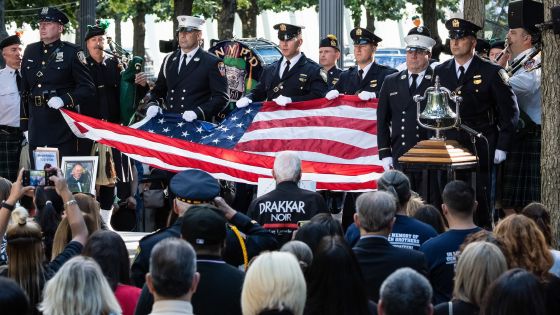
<point x="461" y="75"/>
<point x="414" y="83"/>
<point x="285" y="73"/>
<point x="360" y="75"/>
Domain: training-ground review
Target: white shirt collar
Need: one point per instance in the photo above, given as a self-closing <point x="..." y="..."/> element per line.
<point x="523" y="53"/>
<point x="190" y="53"/>
<point x="418" y="79"/>
<point x="366" y="69"/>
<point x="10" y="69"/>
<point x="172" y="306"/>
<point x="294" y="59"/>
<point x="466" y="66"/>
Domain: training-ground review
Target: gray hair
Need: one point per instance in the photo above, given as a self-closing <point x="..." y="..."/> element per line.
<point x="376" y="210"/>
<point x="172" y="267"/>
<point x="404" y="292"/>
<point x="302" y="252"/>
<point x="287" y="167"/>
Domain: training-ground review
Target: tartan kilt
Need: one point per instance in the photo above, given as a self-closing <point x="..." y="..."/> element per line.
<point x="521" y="181"/>
<point x="10" y="148"/>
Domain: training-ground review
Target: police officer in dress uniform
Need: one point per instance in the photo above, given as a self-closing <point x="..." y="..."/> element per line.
<point x="489" y="106"/>
<point x="366" y="78"/>
<point x="54" y="76"/>
<point x="10" y="80"/>
<point x="397" y="128"/>
<point x="191" y="81"/>
<point x="293" y="78"/>
<point x="196" y="187"/>
<point x="329" y="53"/>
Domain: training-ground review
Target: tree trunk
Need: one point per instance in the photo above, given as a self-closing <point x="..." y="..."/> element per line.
<point x="550" y="149"/>
<point x="139" y="23"/>
<point x="249" y="19"/>
<point x="118" y="30"/>
<point x="226" y="17"/>
<point x="370" y="19"/>
<point x="181" y="7"/>
<point x="474" y="11"/>
<point x="429" y="17"/>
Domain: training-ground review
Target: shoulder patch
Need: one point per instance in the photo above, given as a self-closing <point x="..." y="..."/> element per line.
<point x="222" y="68"/>
<point x="82" y="57"/>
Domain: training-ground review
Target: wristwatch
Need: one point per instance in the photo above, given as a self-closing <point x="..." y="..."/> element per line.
<point x="8" y="206"/>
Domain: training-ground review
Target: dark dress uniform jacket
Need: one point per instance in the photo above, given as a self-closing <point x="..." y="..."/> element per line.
<point x="281" y="209"/>
<point x="65" y="75"/>
<point x="107" y="78"/>
<point x="397" y="129"/>
<point x="349" y="83"/>
<point x="200" y="87"/>
<point x="378" y="259"/>
<point x="332" y="77"/>
<point x="303" y="82"/>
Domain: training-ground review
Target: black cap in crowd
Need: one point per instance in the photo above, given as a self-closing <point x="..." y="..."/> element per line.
<point x="100" y="28"/>
<point x="525" y="14"/>
<point x="498" y="44"/>
<point x="204" y="225"/>
<point x="10" y="40"/>
<point x="288" y="31"/>
<point x="194" y="186"/>
<point x="482" y="47"/>
<point x="329" y="41"/>
<point x="52" y="14"/>
<point x="362" y="36"/>
<point x="459" y="28"/>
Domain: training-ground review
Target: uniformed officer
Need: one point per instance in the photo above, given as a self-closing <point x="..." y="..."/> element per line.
<point x="366" y="79"/>
<point x="293" y="78"/>
<point x="397" y="128"/>
<point x="191" y="81"/>
<point x="196" y="187"/>
<point x="54" y="76"/>
<point x="10" y="80"/>
<point x="521" y="172"/>
<point x="329" y="53"/>
<point x="496" y="48"/>
<point x="488" y="106"/>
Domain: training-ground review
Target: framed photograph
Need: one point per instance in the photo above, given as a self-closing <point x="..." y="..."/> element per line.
<point x="80" y="173"/>
<point x="45" y="157"/>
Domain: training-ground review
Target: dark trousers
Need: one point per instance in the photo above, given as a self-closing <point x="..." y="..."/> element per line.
<point x="10" y="149"/>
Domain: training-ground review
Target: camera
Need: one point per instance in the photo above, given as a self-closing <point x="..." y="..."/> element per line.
<point x="38" y="178"/>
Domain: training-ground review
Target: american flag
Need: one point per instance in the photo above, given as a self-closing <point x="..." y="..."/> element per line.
<point x="335" y="139"/>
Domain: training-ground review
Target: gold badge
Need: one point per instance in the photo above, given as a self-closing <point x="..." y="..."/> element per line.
<point x="359" y="31"/>
<point x="333" y="43"/>
<point x="283" y="27"/>
<point x="455" y="23"/>
<point x="373" y="83"/>
<point x="477" y="81"/>
<point x="334" y="81"/>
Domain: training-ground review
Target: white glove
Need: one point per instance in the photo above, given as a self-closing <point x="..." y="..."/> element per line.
<point x="189" y="115"/>
<point x="26" y="134"/>
<point x="499" y="156"/>
<point x="282" y="100"/>
<point x="55" y="102"/>
<point x="366" y="96"/>
<point x="152" y="111"/>
<point x="243" y="102"/>
<point x="332" y="94"/>
<point x="387" y="163"/>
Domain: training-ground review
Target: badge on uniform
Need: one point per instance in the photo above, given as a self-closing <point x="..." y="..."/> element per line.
<point x="196" y="59"/>
<point x="428" y="77"/>
<point x="59" y="56"/>
<point x="477" y="79"/>
<point x="303" y="77"/>
<point x="334" y="81"/>
<point x="403" y="76"/>
<point x="222" y="69"/>
<point x="373" y="83"/>
<point x="82" y="57"/>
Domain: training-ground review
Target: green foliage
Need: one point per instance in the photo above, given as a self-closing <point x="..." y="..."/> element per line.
<point x="441" y="5"/>
<point x="26" y="11"/>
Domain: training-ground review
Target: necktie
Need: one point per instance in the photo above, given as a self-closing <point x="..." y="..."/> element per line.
<point x="184" y="63"/>
<point x="413" y="86"/>
<point x="285" y="73"/>
<point x="461" y="75"/>
<point x="360" y="75"/>
<point x="18" y="80"/>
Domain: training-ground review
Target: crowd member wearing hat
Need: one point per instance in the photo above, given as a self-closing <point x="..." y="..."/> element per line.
<point x="205" y="228"/>
<point x="488" y="106"/>
<point x="496" y="48"/>
<point x="293" y="78"/>
<point x="195" y="187"/>
<point x="280" y="210"/>
<point x="10" y="80"/>
<point x="482" y="48"/>
<point x="54" y="76"/>
<point x="191" y="81"/>
<point x="329" y="53"/>
<point x="397" y="128"/>
<point x="521" y="172"/>
<point x="367" y="77"/>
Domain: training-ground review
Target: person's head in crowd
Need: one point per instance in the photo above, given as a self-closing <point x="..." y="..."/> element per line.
<point x="525" y="245"/>
<point x="405" y="292"/>
<point x="432" y="216"/>
<point x="290" y="39"/>
<point x="326" y="219"/>
<point x="11" y="48"/>
<point x="172" y="273"/>
<point x="541" y="216"/>
<point x="459" y="202"/>
<point x="311" y="234"/>
<point x="302" y="252"/>
<point x="334" y="283"/>
<point x="365" y="45"/>
<point x="413" y="204"/>
<point x="287" y="167"/>
<point x="79" y="287"/>
<point x="478" y="266"/>
<point x="484" y="236"/>
<point x="26" y="256"/>
<point x="90" y="206"/>
<point x="13" y="300"/>
<point x="375" y="213"/>
<point x="5" y="187"/>
<point x="204" y="227"/>
<point x="495" y="49"/>
<point x="329" y="53"/>
<point x="274" y="284"/>
<point x="192" y="187"/>
<point x="113" y="259"/>
<point x="516" y="292"/>
<point x="396" y="183"/>
<point x="419" y="43"/>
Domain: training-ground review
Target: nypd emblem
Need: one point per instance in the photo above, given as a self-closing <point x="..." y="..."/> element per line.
<point x="82" y="57"/>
